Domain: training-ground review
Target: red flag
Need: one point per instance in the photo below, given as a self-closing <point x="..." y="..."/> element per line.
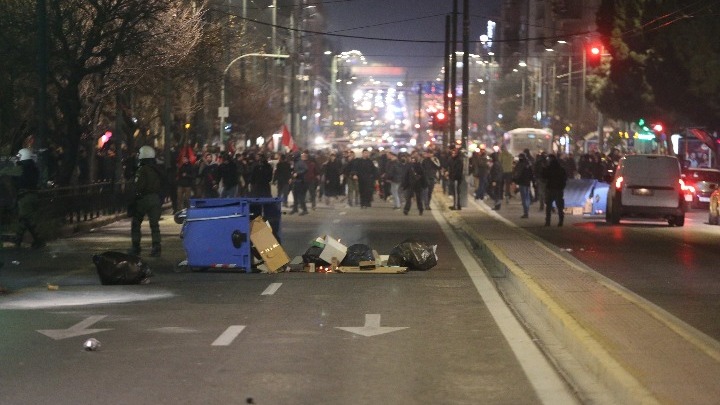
<point x="186" y="151"/>
<point x="287" y="139"/>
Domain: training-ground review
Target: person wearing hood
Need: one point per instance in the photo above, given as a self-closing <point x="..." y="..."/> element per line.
<point x="28" y="201"/>
<point x="149" y="184"/>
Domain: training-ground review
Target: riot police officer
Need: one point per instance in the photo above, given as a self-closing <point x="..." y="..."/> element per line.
<point x="28" y="202"/>
<point x="148" y="187"/>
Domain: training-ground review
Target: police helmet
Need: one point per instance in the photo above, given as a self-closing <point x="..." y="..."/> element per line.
<point x="24" y="154"/>
<point x="146" y="152"/>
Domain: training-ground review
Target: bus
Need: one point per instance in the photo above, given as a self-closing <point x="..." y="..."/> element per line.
<point x="536" y="140"/>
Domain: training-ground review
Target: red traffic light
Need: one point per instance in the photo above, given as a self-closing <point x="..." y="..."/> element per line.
<point x="657" y="128"/>
<point x="595" y="50"/>
<point x="440" y="116"/>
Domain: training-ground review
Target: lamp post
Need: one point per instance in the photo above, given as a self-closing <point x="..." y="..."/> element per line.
<point x="223" y="111"/>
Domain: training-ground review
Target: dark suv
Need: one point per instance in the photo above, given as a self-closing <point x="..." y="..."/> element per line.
<point x="701" y="182"/>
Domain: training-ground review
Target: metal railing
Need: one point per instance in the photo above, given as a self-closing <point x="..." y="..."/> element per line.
<point x="75" y="204"/>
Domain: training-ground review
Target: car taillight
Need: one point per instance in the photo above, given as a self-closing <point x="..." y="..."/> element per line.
<point x="686" y="187"/>
<point x="618" y="183"/>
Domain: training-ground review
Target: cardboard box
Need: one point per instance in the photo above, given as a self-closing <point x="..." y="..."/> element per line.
<point x="265" y="243"/>
<point x="333" y="248"/>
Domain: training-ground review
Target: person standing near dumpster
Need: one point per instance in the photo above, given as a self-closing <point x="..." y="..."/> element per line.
<point x="148" y="185"/>
<point x="28" y="201"/>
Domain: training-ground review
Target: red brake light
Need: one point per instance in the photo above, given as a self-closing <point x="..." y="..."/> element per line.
<point x="618" y="183"/>
<point x="686" y="187"/>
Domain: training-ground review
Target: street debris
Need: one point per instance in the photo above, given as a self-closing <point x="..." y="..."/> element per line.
<point x="53" y="287"/>
<point x="116" y="268"/>
<point x="91" y="345"/>
<point x="414" y="254"/>
<point x="329" y="255"/>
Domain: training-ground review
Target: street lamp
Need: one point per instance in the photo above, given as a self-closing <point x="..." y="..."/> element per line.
<point x="223" y="111"/>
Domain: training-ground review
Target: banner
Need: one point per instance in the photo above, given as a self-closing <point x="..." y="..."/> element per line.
<point x="287" y="140"/>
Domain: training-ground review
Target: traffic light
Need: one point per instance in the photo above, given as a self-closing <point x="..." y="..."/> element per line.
<point x="439" y="121"/>
<point x="594" y="54"/>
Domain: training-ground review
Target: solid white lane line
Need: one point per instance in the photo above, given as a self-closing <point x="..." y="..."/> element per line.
<point x="228" y="336"/>
<point x="272" y="289"/>
<point x="549" y="386"/>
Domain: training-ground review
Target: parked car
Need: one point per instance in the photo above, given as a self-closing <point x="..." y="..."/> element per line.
<point x="714" y="208"/>
<point x="701" y="182"/>
<point x="647" y="186"/>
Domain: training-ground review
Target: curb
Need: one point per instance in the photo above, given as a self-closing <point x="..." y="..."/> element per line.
<point x="584" y="348"/>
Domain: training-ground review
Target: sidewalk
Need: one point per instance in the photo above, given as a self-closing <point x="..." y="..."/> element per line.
<point x="636" y="351"/>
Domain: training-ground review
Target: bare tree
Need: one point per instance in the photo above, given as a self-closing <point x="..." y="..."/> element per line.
<point x="100" y="47"/>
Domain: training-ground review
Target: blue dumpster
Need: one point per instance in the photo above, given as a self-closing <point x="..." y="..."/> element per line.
<point x="216" y="234"/>
<point x="216" y="231"/>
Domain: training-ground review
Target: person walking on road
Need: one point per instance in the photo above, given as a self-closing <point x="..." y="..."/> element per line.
<point x="523" y="177"/>
<point x="185" y="181"/>
<point x="506" y="161"/>
<point x="148" y="186"/>
<point x="556" y="178"/>
<point x="299" y="188"/>
<point x="455" y="177"/>
<point x="28" y="201"/>
<point x="495" y="182"/>
<point x="414" y="184"/>
<point x="331" y="179"/>
<point x="431" y="166"/>
<point x="260" y="177"/>
<point x="351" y="179"/>
<point x="282" y="177"/>
<point x="367" y="175"/>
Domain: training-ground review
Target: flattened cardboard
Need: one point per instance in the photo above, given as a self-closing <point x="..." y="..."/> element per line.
<point x="375" y="270"/>
<point x="269" y="248"/>
<point x="333" y="248"/>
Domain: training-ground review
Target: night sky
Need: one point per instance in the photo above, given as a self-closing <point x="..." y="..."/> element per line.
<point x="415" y="20"/>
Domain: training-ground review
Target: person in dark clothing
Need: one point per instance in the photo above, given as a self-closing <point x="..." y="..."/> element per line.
<point x="455" y="177"/>
<point x="28" y="202"/>
<point x="209" y="181"/>
<point x="414" y="183"/>
<point x="367" y="176"/>
<point x="495" y="181"/>
<point x="185" y="182"/>
<point x="556" y="178"/>
<point x="480" y="169"/>
<point x="331" y="171"/>
<point x="351" y="179"/>
<point x="312" y="176"/>
<point x="261" y="177"/>
<point x="282" y="177"/>
<point x="148" y="186"/>
<point x="299" y="188"/>
<point x="431" y="166"/>
<point x="228" y="175"/>
<point x="523" y="177"/>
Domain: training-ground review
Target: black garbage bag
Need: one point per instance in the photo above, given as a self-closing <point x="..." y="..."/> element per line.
<point x="357" y="253"/>
<point x="312" y="255"/>
<point x="116" y="268"/>
<point x="413" y="254"/>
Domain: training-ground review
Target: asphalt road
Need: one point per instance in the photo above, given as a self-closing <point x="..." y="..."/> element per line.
<point x="221" y="337"/>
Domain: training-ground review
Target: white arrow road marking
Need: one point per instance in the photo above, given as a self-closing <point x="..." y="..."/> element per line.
<point x="228" y="336"/>
<point x="272" y="289"/>
<point x="372" y="327"/>
<point x="78" y="329"/>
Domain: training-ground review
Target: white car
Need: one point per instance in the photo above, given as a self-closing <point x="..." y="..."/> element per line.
<point x="647" y="186"/>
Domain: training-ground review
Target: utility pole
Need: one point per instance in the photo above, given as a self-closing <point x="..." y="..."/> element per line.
<point x="446" y="82"/>
<point x="466" y="76"/>
<point x="453" y="73"/>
